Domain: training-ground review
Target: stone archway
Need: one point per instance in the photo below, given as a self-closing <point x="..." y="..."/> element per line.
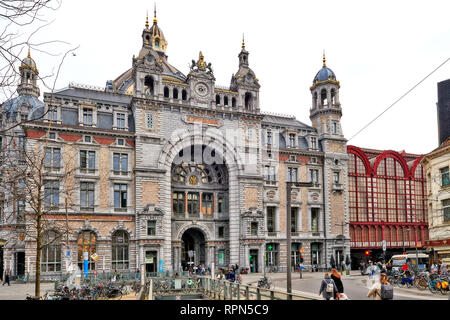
<point x="193" y="248"/>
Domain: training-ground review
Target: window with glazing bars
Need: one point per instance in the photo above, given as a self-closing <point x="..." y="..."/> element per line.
<point x="52" y="159"/>
<point x="178" y="202"/>
<point x="193" y="203"/>
<point x="151" y="227"/>
<point x="120" y="163"/>
<point x="51" y="193"/>
<point x="120" y="196"/>
<point x="270" y="219"/>
<point x="120" y="120"/>
<point x="87" y="116"/>
<point x="87" y="161"/>
<point x="87" y="195"/>
<point x="445" y="178"/>
<point x="51" y="252"/>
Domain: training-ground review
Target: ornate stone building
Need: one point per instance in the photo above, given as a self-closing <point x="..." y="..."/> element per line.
<point x="174" y="170"/>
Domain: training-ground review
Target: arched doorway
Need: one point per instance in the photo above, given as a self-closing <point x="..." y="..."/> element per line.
<point x="193" y="250"/>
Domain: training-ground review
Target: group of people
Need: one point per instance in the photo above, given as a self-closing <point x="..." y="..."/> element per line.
<point x="231" y="274"/>
<point x="332" y="286"/>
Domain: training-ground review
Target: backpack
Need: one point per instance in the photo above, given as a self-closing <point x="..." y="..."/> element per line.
<point x="330" y="287"/>
<point x="387" y="292"/>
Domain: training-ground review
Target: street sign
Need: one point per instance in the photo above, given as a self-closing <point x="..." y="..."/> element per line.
<point x="384" y="245"/>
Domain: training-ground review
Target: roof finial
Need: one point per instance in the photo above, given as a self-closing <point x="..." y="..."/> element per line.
<point x="29" y="55"/>
<point x="146" y="21"/>
<point x="154" y="16"/>
<point x="243" y="41"/>
<point x="324" y="64"/>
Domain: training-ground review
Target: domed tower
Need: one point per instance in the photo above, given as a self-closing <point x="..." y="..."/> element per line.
<point x="325" y="115"/>
<point x="154" y="38"/>
<point x="246" y="83"/>
<point x="28" y="77"/>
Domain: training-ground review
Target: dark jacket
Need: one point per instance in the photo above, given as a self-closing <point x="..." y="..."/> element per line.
<point x="323" y="288"/>
<point x="339" y="285"/>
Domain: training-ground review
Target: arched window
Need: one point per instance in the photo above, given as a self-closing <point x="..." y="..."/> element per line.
<point x="248" y="100"/>
<point x="333" y="96"/>
<point x="419" y="192"/>
<point x="51" y="252"/>
<point x="156" y="43"/>
<point x="315" y="100"/>
<point x="175" y="93"/>
<point x="233" y="102"/>
<point x="166" y="92"/>
<point x="217" y="99"/>
<point x="149" y="85"/>
<point x="120" y="250"/>
<point x="323" y="97"/>
<point x="225" y="101"/>
<point x="86" y="243"/>
<point x="183" y="95"/>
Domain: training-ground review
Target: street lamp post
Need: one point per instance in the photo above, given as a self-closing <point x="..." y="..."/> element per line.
<point x="288" y="228"/>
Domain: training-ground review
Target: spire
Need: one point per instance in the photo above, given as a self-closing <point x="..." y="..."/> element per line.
<point x="154" y="15"/>
<point x="324" y="60"/>
<point x="146" y="21"/>
<point x="243" y="42"/>
<point x="29" y="55"/>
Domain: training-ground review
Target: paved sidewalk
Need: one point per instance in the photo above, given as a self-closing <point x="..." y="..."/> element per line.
<point x="18" y="291"/>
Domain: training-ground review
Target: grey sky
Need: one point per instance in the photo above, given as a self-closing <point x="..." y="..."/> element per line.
<point x="378" y="51"/>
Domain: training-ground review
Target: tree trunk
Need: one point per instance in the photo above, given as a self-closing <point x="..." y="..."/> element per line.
<point x="37" y="283"/>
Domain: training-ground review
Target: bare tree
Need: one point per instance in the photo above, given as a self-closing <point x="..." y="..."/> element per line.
<point x="34" y="181"/>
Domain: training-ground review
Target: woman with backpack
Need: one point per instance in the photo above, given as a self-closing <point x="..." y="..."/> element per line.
<point x="327" y="287"/>
<point x="336" y="276"/>
<point x="382" y="289"/>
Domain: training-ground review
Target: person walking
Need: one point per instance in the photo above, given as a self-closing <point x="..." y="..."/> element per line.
<point x="376" y="291"/>
<point x="327" y="287"/>
<point x="336" y="276"/>
<point x="6" y="277"/>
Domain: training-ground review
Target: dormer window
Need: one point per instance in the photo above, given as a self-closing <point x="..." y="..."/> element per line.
<point x="292" y="140"/>
<point x="52" y="135"/>
<point x="88" y="116"/>
<point x="121" y="120"/>
<point x="313" y="143"/>
<point x="156" y="43"/>
<point x="52" y="113"/>
<point x="88" y="139"/>
<point x="120" y="142"/>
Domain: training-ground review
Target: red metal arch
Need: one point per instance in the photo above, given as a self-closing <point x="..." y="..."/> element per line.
<point x="396" y="156"/>
<point x="362" y="155"/>
<point x="414" y="166"/>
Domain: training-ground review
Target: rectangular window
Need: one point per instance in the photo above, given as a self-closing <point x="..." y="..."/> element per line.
<point x="51" y="193"/>
<point x="221" y="255"/>
<point x="53" y="159"/>
<point x="292" y="140"/>
<point x="314" y="219"/>
<point x="250" y="133"/>
<point x="87" y="195"/>
<point x="150" y="121"/>
<point x="292" y="175"/>
<point x="120" y="120"/>
<point x="294" y="219"/>
<point x="151" y="227"/>
<point x="269" y="137"/>
<point x="120" y="163"/>
<point x="336" y="179"/>
<point x="87" y="116"/>
<point x="193" y="203"/>
<point x="445" y="178"/>
<point x="446" y="209"/>
<point x="207" y="204"/>
<point x="52" y="113"/>
<point x="314" y="175"/>
<point x="178" y="203"/>
<point x="120" y="196"/>
<point x="335" y="127"/>
<point x="269" y="174"/>
<point x="87" y="161"/>
<point x="221" y="232"/>
<point x="2" y="212"/>
<point x="270" y="219"/>
<point x="313" y="143"/>
<point x="254" y="228"/>
<point x="220" y="204"/>
<point x="20" y="211"/>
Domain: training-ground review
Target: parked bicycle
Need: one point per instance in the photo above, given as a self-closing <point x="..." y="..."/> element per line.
<point x="264" y="283"/>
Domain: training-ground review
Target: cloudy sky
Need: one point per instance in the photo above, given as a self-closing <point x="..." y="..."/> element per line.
<point x="378" y="50"/>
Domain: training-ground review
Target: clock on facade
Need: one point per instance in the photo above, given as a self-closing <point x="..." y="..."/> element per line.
<point x="201" y="89"/>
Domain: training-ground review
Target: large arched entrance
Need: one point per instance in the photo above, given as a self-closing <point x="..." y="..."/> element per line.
<point x="193" y="251"/>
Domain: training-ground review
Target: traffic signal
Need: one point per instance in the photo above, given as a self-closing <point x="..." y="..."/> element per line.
<point x="367" y="253"/>
<point x="301" y="259"/>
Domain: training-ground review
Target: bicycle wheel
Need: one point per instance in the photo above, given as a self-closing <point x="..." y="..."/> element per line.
<point x="432" y="287"/>
<point x="422" y="284"/>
